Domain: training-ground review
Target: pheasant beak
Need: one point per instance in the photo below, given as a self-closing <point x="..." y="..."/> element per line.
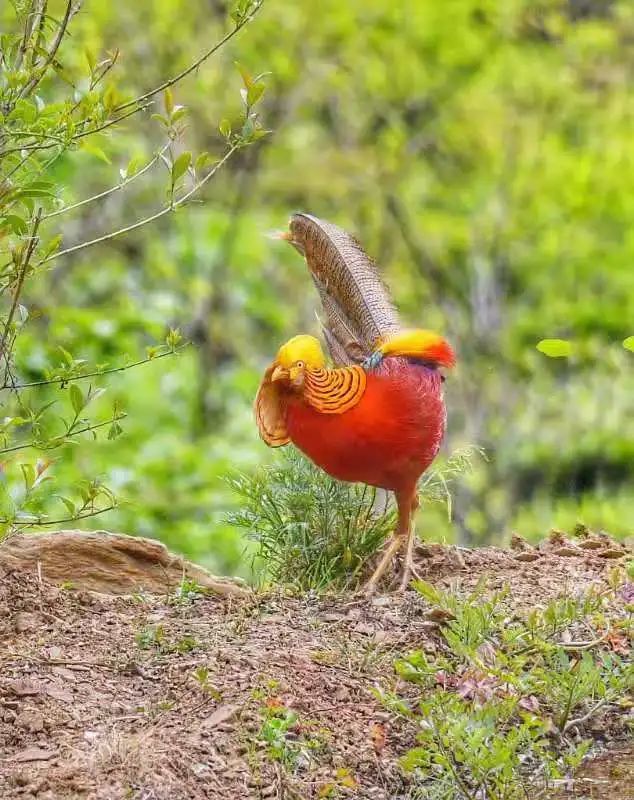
<point x="280" y="374"/>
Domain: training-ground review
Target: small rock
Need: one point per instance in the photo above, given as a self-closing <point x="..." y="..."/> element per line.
<point x="592" y="543"/>
<point x="612" y="552"/>
<point x="567" y="551"/>
<point x="527" y="555"/>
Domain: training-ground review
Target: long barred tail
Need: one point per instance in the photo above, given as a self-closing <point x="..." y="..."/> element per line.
<point x="359" y="311"/>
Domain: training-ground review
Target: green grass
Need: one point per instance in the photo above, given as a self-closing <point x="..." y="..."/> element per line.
<point x="504" y="705"/>
<point x="313" y="532"/>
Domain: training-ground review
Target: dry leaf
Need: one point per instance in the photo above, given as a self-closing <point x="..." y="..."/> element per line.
<point x="378" y="735"/>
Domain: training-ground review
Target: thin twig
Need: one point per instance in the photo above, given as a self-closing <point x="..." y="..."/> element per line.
<point x="97" y="373"/>
<point x="42" y="522"/>
<point x="20" y="283"/>
<point x="167" y="210"/>
<point x="580" y="720"/>
<point x="109" y="123"/>
<point x="171" y="81"/>
<point x="573" y="646"/>
<point x="61" y="661"/>
<point x="28" y="30"/>
<point x="71" y="10"/>
<point x="59" y="440"/>
<point x="109" y="191"/>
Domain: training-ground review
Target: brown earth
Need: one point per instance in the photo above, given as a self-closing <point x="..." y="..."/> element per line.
<point x="99" y="698"/>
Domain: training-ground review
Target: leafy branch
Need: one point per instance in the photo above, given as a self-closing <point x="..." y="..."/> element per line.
<point x="127" y="180"/>
<point x="65" y="437"/>
<point x="152" y="218"/>
<point x="65" y="379"/>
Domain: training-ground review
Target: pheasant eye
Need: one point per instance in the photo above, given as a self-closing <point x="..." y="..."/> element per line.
<point x="299" y="364"/>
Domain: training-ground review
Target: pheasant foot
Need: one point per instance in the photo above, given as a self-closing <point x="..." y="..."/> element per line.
<point x="394" y="545"/>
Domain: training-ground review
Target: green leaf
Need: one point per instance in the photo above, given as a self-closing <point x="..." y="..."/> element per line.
<point x="70" y="506"/>
<point x="66" y="355"/>
<point x="225" y="128"/>
<point x="254" y="93"/>
<point x="76" y="398"/>
<point x="628" y="343"/>
<point x="134" y="165"/>
<point x="201" y="161"/>
<point x="173" y="338"/>
<point x="169" y="101"/>
<point x="18" y="225"/>
<point x="247" y="78"/>
<point x="114" y="431"/>
<point x="555" y="348"/>
<point x="181" y="165"/>
<point x="93" y="149"/>
<point x="51" y="246"/>
<point x="248" y="129"/>
<point x="90" y="58"/>
<point x="179" y="113"/>
<point x="28" y="473"/>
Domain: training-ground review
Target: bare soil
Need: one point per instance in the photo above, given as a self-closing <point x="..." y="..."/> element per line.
<point x="99" y="698"/>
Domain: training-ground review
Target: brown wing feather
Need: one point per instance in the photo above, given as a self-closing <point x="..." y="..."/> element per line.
<point x="358" y="308"/>
<point x="333" y="391"/>
<point x="270" y="412"/>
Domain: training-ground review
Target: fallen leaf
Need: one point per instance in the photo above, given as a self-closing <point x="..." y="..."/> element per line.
<point x="378" y="735"/>
<point x="439" y="615"/>
<point x="619" y="642"/>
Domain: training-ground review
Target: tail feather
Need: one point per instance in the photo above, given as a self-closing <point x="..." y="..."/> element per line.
<point x="359" y="311"/>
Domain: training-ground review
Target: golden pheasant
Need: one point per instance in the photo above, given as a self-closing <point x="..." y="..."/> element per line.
<point x="377" y="416"/>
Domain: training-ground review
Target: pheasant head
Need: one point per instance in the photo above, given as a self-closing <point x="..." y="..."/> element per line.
<point x="293" y="359"/>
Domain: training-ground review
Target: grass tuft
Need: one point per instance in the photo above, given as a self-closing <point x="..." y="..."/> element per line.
<point x="313" y="532"/>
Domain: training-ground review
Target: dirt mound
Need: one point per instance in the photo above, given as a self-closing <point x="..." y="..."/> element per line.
<point x="166" y="699"/>
<point x="110" y="563"/>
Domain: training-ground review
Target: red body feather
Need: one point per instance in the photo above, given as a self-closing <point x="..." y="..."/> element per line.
<point x="388" y="439"/>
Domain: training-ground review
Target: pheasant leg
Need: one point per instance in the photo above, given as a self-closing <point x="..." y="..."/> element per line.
<point x="394" y="545"/>
<point x="402" y="539"/>
<point x="409" y="570"/>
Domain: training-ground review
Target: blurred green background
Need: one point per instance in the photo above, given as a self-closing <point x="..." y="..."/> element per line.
<point x="481" y="151"/>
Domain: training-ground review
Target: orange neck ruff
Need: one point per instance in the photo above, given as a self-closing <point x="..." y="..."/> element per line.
<point x="329" y="391"/>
